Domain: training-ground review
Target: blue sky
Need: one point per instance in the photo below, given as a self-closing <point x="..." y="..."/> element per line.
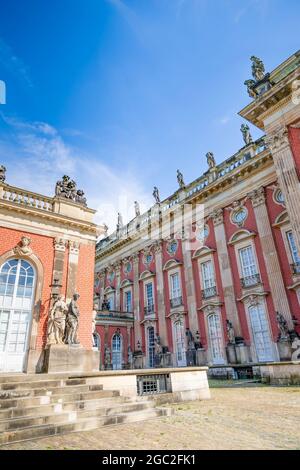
<point x="120" y="93"/>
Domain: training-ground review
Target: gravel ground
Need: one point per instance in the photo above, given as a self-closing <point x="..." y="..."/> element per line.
<point x="234" y="418"/>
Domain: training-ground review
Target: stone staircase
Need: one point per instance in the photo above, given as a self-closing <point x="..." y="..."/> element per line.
<point x="33" y="406"/>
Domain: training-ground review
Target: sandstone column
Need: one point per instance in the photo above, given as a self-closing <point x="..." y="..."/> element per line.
<point x="278" y="291"/>
<point x="72" y="268"/>
<point x="161" y="308"/>
<point x="286" y="170"/>
<point x="225" y="269"/>
<point x="190" y="287"/>
<point x="136" y="301"/>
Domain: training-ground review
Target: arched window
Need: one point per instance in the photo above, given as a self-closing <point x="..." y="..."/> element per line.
<point x="17" y="283"/>
<point x="215" y="339"/>
<point x="179" y="343"/>
<point x="117" y="351"/>
<point x="260" y="333"/>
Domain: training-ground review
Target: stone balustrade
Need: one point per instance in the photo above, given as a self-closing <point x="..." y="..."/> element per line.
<point x="26" y="198"/>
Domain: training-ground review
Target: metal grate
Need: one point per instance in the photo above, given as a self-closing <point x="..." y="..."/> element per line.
<point x="153" y="384"/>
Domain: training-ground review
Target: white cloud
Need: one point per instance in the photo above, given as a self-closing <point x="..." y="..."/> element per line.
<point x="12" y="63"/>
<point x="39" y="156"/>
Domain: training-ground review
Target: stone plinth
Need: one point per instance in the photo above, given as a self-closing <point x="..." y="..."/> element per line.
<point x="201" y="359"/>
<point x="65" y="358"/>
<point x="281" y="373"/>
<point x="242" y="354"/>
<point x="231" y="354"/>
<point x="284" y="350"/>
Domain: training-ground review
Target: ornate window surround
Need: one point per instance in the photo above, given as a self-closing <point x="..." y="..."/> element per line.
<point x="242" y="239"/>
<point x="207" y="311"/>
<point x="174" y="270"/>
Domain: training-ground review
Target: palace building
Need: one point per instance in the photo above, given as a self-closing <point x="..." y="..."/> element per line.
<point x="233" y="295"/>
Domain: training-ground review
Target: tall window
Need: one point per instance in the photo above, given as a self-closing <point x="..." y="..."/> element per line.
<point x="179" y="343"/>
<point x="17" y="281"/>
<point x="215" y="338"/>
<point x="293" y="248"/>
<point x="128" y="301"/>
<point x="248" y="263"/>
<point x="260" y="332"/>
<point x="149" y="294"/>
<point x="208" y="275"/>
<point x="117" y="351"/>
<point x="175" y="286"/>
<point x="150" y="345"/>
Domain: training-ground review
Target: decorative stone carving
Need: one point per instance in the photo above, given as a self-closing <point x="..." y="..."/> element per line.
<point x="157" y="352"/>
<point x="137" y="209"/>
<point x="157" y="246"/>
<point x="283" y="327"/>
<point x="72" y="321"/>
<point x="2" y="173"/>
<point x="156" y="195"/>
<point x="190" y="339"/>
<point x="180" y="179"/>
<point x="67" y="188"/>
<point x="278" y="140"/>
<point x="60" y="244"/>
<point x="74" y="247"/>
<point x="130" y="357"/>
<point x="217" y="217"/>
<point x="210" y="160"/>
<point x="23" y="247"/>
<point x="57" y="322"/>
<point x="257" y="196"/>
<point x="230" y="332"/>
<point x="253" y="300"/>
<point x="245" y="130"/>
<point x="258" y="68"/>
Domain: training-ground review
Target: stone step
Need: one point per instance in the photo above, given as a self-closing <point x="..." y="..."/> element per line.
<point x="71" y="416"/>
<point x="82" y="424"/>
<point x="22" y="377"/>
<point x="38" y="410"/>
<point x="15" y="386"/>
<point x="58" y="390"/>
<point x="25" y="401"/>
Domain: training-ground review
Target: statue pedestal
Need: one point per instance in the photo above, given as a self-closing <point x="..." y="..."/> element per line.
<point x="242" y="354"/>
<point x="231" y="354"/>
<point x="166" y="360"/>
<point x="284" y="349"/>
<point x="67" y="358"/>
<point x="201" y="359"/>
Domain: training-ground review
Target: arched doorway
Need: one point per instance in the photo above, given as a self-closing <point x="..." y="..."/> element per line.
<point x="116" y="351"/>
<point x="17" y="285"/>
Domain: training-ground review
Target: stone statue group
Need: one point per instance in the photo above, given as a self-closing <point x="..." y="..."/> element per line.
<point x="63" y="322"/>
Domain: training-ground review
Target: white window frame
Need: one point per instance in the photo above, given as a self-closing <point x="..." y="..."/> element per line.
<point x="209" y="282"/>
<point x="292" y="249"/>
<point x="222" y="359"/>
<point x="146" y="299"/>
<point x="178" y="292"/>
<point x="251" y="269"/>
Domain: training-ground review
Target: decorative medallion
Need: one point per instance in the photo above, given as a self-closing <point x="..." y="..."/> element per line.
<point x="202" y="233"/>
<point x="147" y="259"/>
<point x="172" y="247"/>
<point x="127" y="267"/>
<point x="278" y="197"/>
<point x="239" y="216"/>
<point x="111" y="276"/>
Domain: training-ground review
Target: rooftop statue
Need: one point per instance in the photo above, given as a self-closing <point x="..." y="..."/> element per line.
<point x="137" y="209"/>
<point x="156" y="195"/>
<point x="180" y="179"/>
<point x="258" y="68"/>
<point x="250" y="84"/>
<point x="246" y="134"/>
<point x="2" y="173"/>
<point x="67" y="188"/>
<point x="120" y="221"/>
<point x="210" y="160"/>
